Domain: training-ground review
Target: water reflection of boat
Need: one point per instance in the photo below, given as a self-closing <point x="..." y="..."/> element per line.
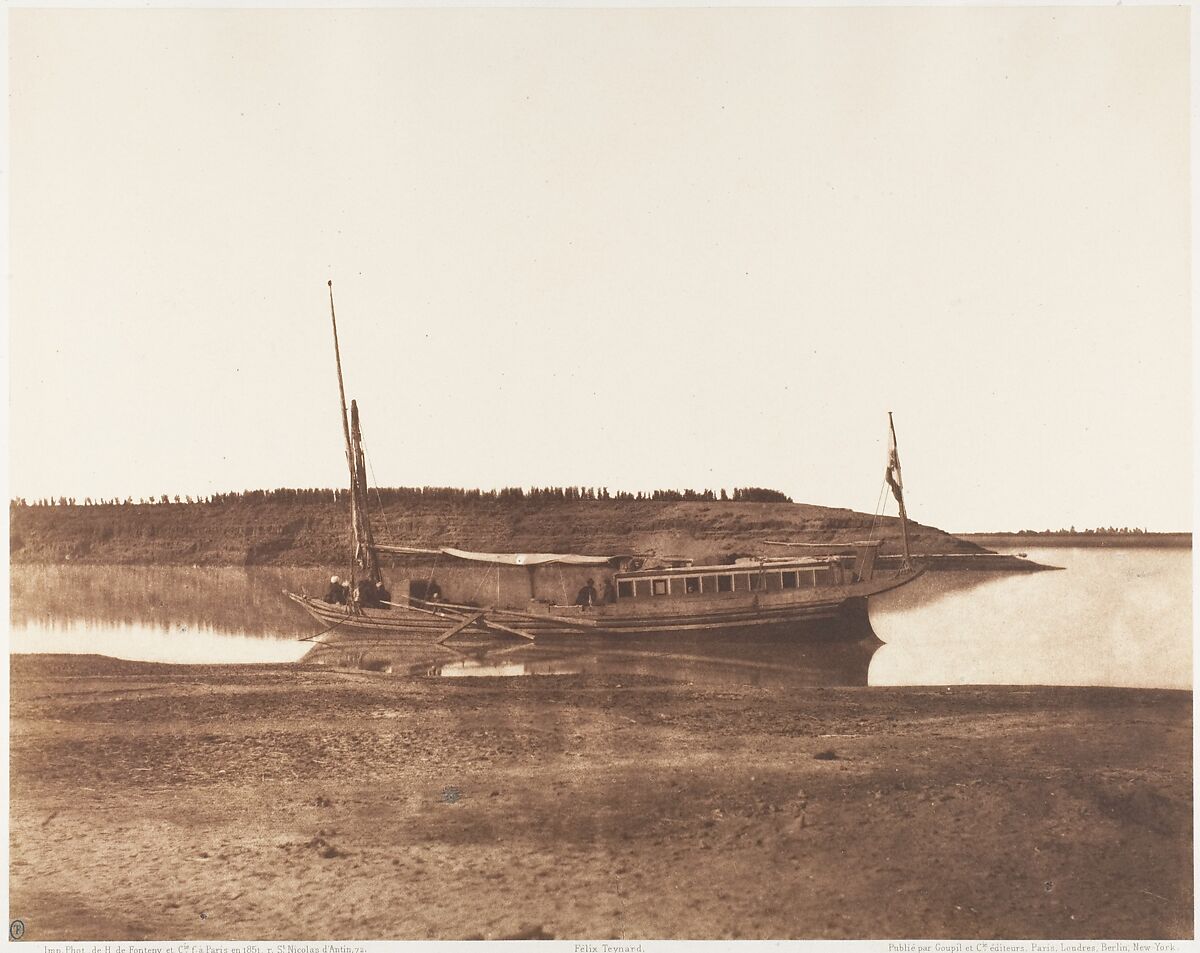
<point x="533" y="595"/>
<point x="780" y="662"/>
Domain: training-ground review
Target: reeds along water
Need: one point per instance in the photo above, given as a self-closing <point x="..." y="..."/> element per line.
<point x="244" y="601"/>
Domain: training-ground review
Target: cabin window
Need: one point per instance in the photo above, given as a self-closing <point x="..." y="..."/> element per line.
<point x="773" y="582"/>
<point x="740" y="582"/>
<point x="624" y="589"/>
<point x="660" y="587"/>
<point x="724" y="583"/>
<point x="642" y="587"/>
<point x="691" y="584"/>
<point x="808" y="578"/>
<point x="708" y="584"/>
<point x="820" y="577"/>
<point x="789" y="580"/>
<point x="756" y="581"/>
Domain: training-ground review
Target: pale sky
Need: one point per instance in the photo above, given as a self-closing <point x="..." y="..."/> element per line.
<point x="633" y="248"/>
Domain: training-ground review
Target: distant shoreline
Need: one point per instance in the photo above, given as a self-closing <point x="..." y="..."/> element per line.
<point x="1081" y="540"/>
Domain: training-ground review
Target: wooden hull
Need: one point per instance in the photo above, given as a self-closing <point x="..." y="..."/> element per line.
<point x="774" y="612"/>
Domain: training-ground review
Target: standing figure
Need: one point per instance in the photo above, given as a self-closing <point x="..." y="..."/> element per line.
<point x="587" y="595"/>
<point x="364" y="593"/>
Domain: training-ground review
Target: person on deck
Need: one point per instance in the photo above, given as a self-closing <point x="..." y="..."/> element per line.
<point x="610" y="592"/>
<point x="337" y="592"/>
<point x="587" y="595"/>
<point x="371" y="593"/>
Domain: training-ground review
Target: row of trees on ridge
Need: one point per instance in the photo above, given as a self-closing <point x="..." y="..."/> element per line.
<point x="402" y="494"/>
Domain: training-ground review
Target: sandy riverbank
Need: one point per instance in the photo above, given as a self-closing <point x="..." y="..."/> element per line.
<point x="282" y="802"/>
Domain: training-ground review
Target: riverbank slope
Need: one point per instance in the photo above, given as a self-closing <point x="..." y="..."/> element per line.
<point x="316" y="533"/>
<point x="284" y="802"/>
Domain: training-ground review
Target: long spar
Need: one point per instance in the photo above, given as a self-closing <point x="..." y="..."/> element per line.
<point x="337" y="354"/>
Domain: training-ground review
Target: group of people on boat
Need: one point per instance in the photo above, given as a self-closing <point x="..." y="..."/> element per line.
<point x="588" y="596"/>
<point x="366" y="594"/>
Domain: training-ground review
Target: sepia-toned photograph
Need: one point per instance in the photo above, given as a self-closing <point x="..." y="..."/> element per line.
<point x="600" y="475"/>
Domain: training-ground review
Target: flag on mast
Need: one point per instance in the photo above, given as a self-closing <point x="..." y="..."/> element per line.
<point x="892" y="475"/>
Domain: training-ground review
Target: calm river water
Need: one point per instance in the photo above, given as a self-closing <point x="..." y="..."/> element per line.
<point x="1114" y="617"/>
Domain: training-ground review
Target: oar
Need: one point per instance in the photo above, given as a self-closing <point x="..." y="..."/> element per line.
<point x="558" y="620"/>
<point x="450" y="633"/>
<point x="514" y="613"/>
<point x="444" y="613"/>
<point x="408" y="605"/>
<point x="464" y="620"/>
<point x="484" y="623"/>
<point x="493" y="624"/>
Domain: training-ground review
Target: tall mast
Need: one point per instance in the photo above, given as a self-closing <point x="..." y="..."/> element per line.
<point x="337" y="354"/>
<point x="896" y="482"/>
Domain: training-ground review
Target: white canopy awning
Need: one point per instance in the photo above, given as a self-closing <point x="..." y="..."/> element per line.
<point x="528" y="559"/>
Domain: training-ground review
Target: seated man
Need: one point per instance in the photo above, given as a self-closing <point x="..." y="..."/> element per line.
<point x="337" y="592"/>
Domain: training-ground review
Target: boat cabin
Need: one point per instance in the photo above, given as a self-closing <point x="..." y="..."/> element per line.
<point x="760" y="576"/>
<point x="555" y="579"/>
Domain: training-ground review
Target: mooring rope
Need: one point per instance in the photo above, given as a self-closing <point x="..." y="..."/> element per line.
<point x="313" y="638"/>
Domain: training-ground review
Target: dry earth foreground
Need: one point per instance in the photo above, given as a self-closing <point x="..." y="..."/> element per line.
<point x="153" y="801"/>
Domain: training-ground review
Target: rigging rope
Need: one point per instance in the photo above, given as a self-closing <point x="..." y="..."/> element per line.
<point x="880" y="506"/>
<point x="375" y="487"/>
<point x="483" y="578"/>
<point x="432" y="568"/>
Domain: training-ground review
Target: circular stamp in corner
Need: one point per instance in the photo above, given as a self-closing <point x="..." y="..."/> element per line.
<point x="16" y="929"/>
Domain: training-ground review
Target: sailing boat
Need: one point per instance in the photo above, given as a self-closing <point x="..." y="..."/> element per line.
<point x="530" y="595"/>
